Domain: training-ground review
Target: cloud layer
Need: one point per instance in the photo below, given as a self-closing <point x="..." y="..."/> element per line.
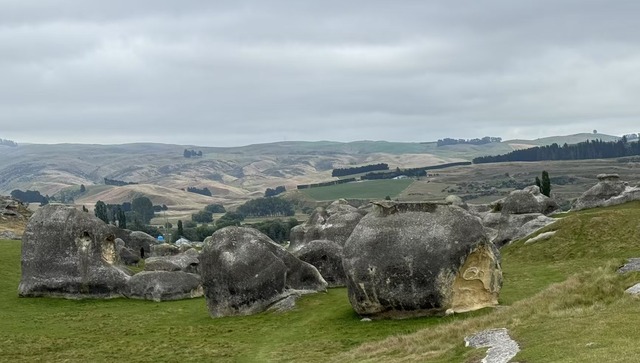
<point x="237" y="72"/>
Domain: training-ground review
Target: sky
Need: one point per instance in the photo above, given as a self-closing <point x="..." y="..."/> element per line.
<point x="230" y="73"/>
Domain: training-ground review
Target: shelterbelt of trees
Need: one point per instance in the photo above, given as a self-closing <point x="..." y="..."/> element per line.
<point x="595" y="149"/>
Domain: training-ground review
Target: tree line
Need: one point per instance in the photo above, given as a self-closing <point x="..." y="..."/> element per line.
<point x="118" y="183"/>
<point x="483" y="141"/>
<point x="410" y="172"/>
<point x="203" y="191"/>
<point x="29" y="196"/>
<point x="273" y="192"/>
<point x="359" y="169"/>
<point x="7" y="142"/>
<point x="192" y="153"/>
<point x="590" y="149"/>
<point x="326" y="184"/>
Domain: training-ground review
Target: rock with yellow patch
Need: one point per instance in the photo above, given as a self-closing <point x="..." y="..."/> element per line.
<point x="71" y="254"/>
<point x="414" y="259"/>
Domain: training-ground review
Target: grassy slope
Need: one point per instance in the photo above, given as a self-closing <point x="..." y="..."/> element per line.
<point x="562" y="301"/>
<point x="372" y="189"/>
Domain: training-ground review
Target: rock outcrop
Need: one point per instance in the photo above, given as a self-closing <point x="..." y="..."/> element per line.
<point x="504" y="228"/>
<point x="609" y="191"/>
<point x="326" y="256"/>
<point x="244" y="272"/>
<point x="414" y="259"/>
<point x="13" y="218"/>
<point x="334" y="223"/>
<point x="164" y="249"/>
<point x="186" y="262"/>
<point x="69" y="253"/>
<point x="163" y="286"/>
<point x="527" y="200"/>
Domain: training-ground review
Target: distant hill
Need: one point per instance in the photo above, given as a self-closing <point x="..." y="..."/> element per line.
<point x="233" y="174"/>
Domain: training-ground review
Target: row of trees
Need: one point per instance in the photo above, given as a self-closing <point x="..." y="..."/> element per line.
<point x="7" y="142"/>
<point x="118" y="183"/>
<point x="192" y="153"/>
<point x="29" y="196"/>
<point x="594" y="149"/>
<point x="273" y="192"/>
<point x="203" y="191"/>
<point x="359" y="169"/>
<point x="410" y="172"/>
<point x="483" y="141"/>
<point x="140" y="211"/>
<point x="266" y="207"/>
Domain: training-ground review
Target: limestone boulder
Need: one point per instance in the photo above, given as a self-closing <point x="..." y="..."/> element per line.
<point x="326" y="256"/>
<point x="128" y="257"/>
<point x="164" y="249"/>
<point x="245" y="272"/>
<point x="334" y="223"/>
<point x="186" y="262"/>
<point x="527" y="200"/>
<point x="609" y="190"/>
<point x="163" y="286"/>
<point x="505" y="228"/>
<point x="139" y="240"/>
<point x="414" y="259"/>
<point x="71" y="254"/>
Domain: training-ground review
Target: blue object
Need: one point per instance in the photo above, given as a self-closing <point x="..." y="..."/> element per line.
<point x="160" y="238"/>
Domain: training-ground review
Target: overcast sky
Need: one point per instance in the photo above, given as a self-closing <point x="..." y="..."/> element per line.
<point x="224" y="73"/>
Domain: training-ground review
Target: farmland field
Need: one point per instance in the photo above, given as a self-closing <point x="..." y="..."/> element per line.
<point x="372" y="189"/>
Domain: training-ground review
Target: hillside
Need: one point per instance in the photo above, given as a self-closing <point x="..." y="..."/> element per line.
<point x="232" y="174"/>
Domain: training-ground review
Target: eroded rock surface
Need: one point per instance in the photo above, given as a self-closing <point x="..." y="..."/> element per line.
<point x="164" y="286"/>
<point x="334" y="223"/>
<point x="326" y="256"/>
<point x="527" y="200"/>
<point x="609" y="190"/>
<point x="504" y="228"/>
<point x="164" y="249"/>
<point x="244" y="272"/>
<point x="413" y="259"/>
<point x="187" y="262"/>
<point x="69" y="253"/>
<point x="501" y="347"/>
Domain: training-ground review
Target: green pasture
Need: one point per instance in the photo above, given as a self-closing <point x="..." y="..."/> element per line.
<point x="562" y="301"/>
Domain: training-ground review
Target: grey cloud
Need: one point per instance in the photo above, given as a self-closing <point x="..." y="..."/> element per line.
<point x="261" y="71"/>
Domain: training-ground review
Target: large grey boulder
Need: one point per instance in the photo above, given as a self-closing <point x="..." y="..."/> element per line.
<point x="139" y="240"/>
<point x="244" y="272"/>
<point x="163" y="286"/>
<point x="326" y="256"/>
<point x="527" y="200"/>
<point x="69" y="253"/>
<point x="505" y="228"/>
<point x="187" y="262"/>
<point x="414" y="259"/>
<point x="334" y="223"/>
<point x="609" y="191"/>
<point x="164" y="249"/>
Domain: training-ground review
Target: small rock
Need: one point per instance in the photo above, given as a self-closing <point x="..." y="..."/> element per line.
<point x="365" y="320"/>
<point x="540" y="237"/>
<point x="632" y="265"/>
<point x="501" y="347"/>
<point x="633" y="290"/>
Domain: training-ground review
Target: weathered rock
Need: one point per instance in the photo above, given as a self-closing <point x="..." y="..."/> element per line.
<point x="527" y="200"/>
<point x="244" y="272"/>
<point x="541" y="237"/>
<point x="633" y="290"/>
<point x="164" y="249"/>
<point x="504" y="228"/>
<point x="610" y="190"/>
<point x="632" y="265"/>
<point x="455" y="200"/>
<point x="128" y="257"/>
<point x="326" y="256"/>
<point x="413" y="259"/>
<point x="334" y="223"/>
<point x="164" y="285"/>
<point x="140" y="240"/>
<point x="187" y="262"/>
<point x="501" y="347"/>
<point x="69" y="253"/>
<point x="9" y="235"/>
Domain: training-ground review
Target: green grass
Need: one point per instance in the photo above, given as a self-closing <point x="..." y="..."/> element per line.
<point x="372" y="189"/>
<point x="562" y="301"/>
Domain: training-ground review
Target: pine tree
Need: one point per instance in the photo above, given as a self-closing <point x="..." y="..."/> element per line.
<point x="538" y="183"/>
<point x="122" y="219"/>
<point x="180" y="230"/>
<point x="82" y="188"/>
<point x="100" y="211"/>
<point x="545" y="187"/>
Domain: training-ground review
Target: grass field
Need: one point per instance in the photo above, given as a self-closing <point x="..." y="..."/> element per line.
<point x="562" y="301"/>
<point x="371" y="189"/>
